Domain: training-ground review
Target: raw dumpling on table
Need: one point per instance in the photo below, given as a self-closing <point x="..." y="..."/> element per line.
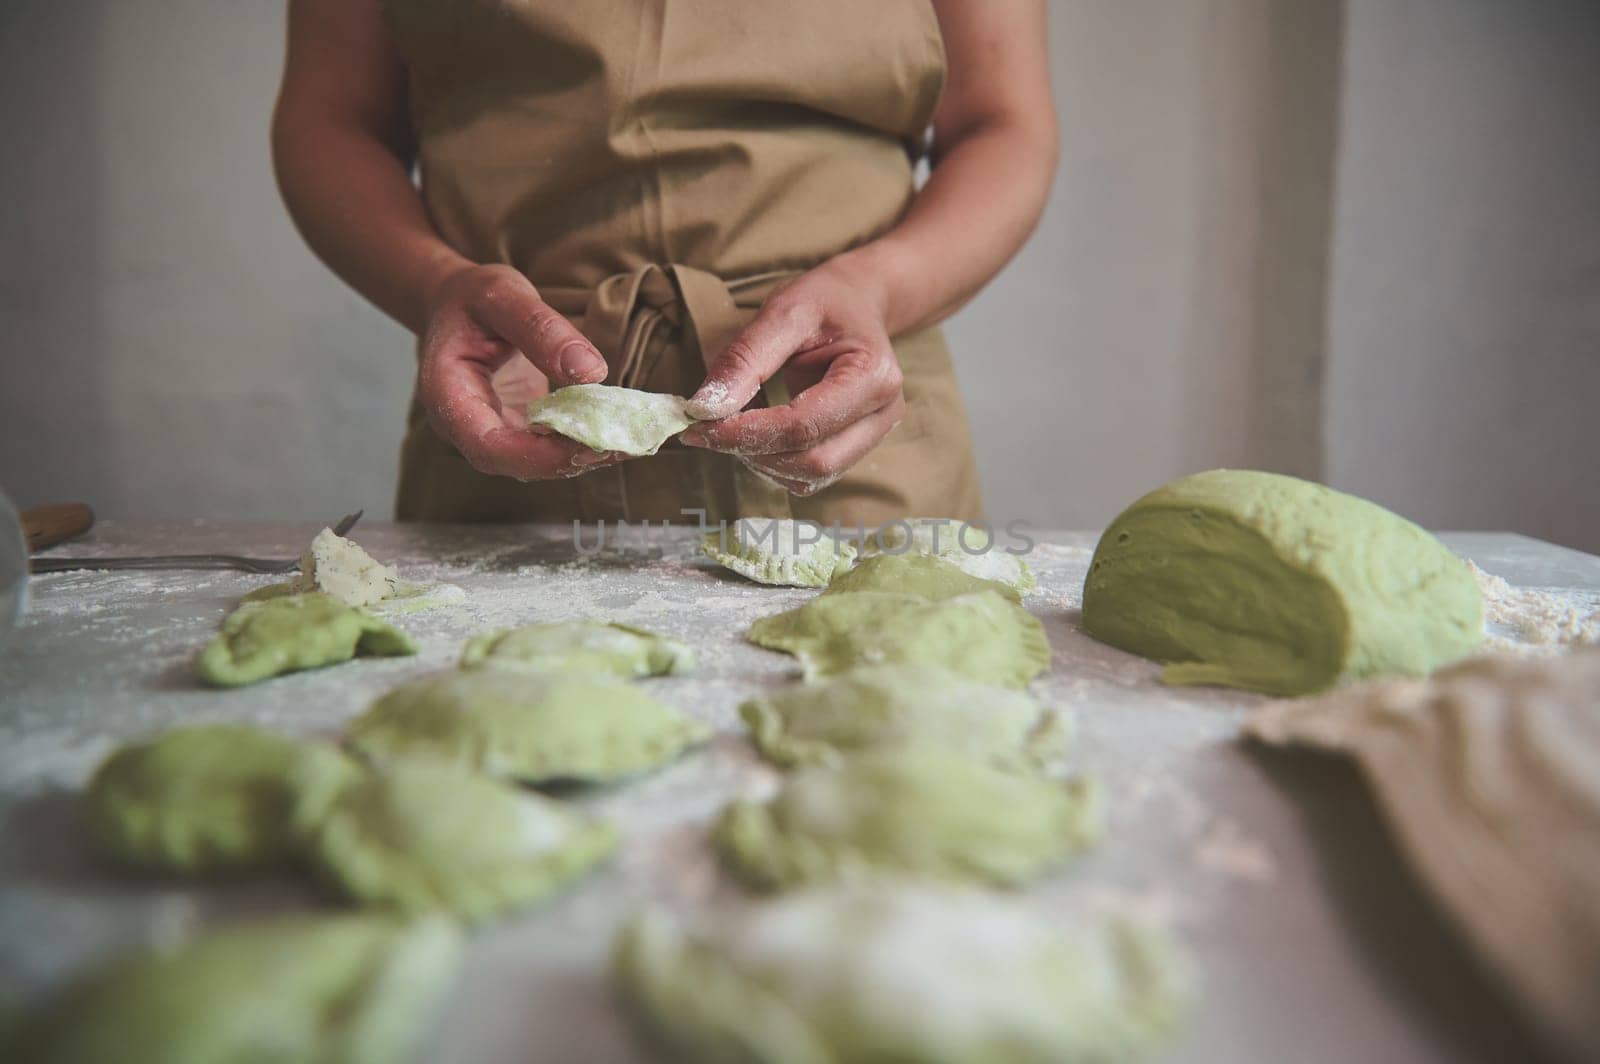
<point x="902" y="972"/>
<point x="779" y="551"/>
<point x="921" y="812"/>
<point x="313" y="990"/>
<point x="531" y="727"/>
<point x="427" y="835"/>
<point x="883" y="706"/>
<point x="260" y="640"/>
<point x="209" y="798"/>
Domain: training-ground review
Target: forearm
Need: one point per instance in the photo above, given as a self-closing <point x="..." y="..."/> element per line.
<point x="352" y="199"/>
<point x="977" y="209"/>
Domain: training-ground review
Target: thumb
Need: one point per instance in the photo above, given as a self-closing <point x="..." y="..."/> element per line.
<point x="511" y="308"/>
<point x="759" y="351"/>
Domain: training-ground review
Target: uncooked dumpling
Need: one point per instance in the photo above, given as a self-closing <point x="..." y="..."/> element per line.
<point x="533" y="727"/>
<point x="924" y="575"/>
<point x="1488" y="773"/>
<point x="984" y="636"/>
<point x="881" y="706"/>
<point x="783" y="552"/>
<point x="210" y="798"/>
<point x="970" y="547"/>
<point x="605" y="418"/>
<point x="1274" y="584"/>
<point x="424" y="835"/>
<point x="581" y="646"/>
<point x="342" y="568"/>
<point x="260" y="640"/>
<point x="918" y="811"/>
<point x="902" y="973"/>
<point x="308" y="990"/>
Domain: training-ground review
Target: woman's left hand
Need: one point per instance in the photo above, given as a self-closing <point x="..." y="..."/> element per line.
<point x="825" y="332"/>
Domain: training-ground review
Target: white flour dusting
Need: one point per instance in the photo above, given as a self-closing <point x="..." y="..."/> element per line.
<point x="1531" y="621"/>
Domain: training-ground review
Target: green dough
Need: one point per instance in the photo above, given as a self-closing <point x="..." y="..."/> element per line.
<point x="533" y="727"/>
<point x="581" y="646"/>
<point x="902" y="973"/>
<point x="878" y="706"/>
<point x="983" y="636"/>
<point x="920" y="811"/>
<point x="263" y="639"/>
<point x="604" y="418"/>
<point x="924" y="575"/>
<point x="969" y="547"/>
<point x="307" y="990"/>
<point x="424" y="835"/>
<point x="207" y="799"/>
<point x="783" y="552"/>
<point x="1269" y="583"/>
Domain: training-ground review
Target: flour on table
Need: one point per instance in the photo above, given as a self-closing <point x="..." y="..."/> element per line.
<point x="1539" y="622"/>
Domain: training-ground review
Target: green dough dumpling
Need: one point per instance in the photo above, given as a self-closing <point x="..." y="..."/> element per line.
<point x="207" y="799"/>
<point x="607" y="418"/>
<point x="918" y="811"/>
<point x="427" y="835"/>
<point x="902" y="973"/>
<point x="924" y="575"/>
<point x="984" y="636"/>
<point x="970" y="547"/>
<point x="264" y="639"/>
<point x="881" y="706"/>
<point x="1274" y="584"/>
<point x="533" y="727"/>
<point x="581" y="646"/>
<point x="307" y="990"/>
<point x="773" y="551"/>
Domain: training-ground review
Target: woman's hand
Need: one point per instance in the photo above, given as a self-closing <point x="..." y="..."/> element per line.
<point x="480" y="317"/>
<point x="825" y="331"/>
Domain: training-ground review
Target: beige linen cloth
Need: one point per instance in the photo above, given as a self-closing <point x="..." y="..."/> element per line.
<point x="1488" y="773"/>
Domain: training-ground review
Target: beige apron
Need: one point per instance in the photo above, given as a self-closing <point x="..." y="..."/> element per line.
<point x="656" y="167"/>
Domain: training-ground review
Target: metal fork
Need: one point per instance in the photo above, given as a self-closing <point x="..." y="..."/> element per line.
<point x="184" y="561"/>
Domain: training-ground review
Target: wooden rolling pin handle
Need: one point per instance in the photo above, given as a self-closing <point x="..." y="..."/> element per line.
<point x="48" y="525"/>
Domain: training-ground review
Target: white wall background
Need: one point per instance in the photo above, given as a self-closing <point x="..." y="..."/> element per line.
<point x="170" y="348"/>
<point x="1464" y="368"/>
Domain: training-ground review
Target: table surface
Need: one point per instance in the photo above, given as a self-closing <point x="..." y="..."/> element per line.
<point x="1312" y="940"/>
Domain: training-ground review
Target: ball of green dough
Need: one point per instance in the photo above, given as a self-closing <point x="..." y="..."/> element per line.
<point x="263" y="639"/>
<point x="533" y="727"/>
<point x="982" y="635"/>
<point x="312" y="990"/>
<point x="426" y="835"/>
<point x="1274" y="584"/>
<point x="918" y="811"/>
<point x="210" y="798"/>
<point x="902" y="972"/>
<point x="883" y="706"/>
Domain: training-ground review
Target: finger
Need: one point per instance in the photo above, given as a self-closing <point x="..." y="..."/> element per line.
<point x="857" y="383"/>
<point x="460" y="403"/>
<point x="778" y="330"/>
<point x="524" y="456"/>
<point x="793" y="487"/>
<point x="510" y="308"/>
<point x="809" y="471"/>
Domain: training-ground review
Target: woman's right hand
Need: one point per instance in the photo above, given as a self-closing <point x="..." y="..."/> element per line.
<point x="479" y="318"/>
